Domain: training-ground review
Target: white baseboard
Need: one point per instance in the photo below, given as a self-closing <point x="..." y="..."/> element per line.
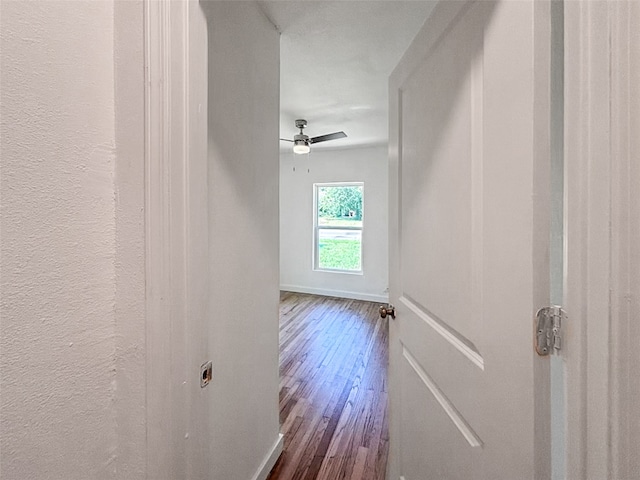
<point x="270" y="460"/>
<point x="369" y="297"/>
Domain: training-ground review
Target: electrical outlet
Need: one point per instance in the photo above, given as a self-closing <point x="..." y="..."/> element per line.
<point x="206" y="373"/>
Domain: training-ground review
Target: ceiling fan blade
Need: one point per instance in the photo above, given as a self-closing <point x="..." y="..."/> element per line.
<point x="286" y="140"/>
<point x="328" y="136"/>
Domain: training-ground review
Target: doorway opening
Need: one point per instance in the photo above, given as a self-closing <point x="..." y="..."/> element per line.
<point x="334" y="262"/>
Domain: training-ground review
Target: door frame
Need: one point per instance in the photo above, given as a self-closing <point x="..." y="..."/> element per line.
<point x="177" y="258"/>
<point x="599" y="113"/>
<point x="602" y="108"/>
<point x="167" y="151"/>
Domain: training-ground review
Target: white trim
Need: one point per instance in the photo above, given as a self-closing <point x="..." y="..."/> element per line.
<point x="166" y="155"/>
<point x="602" y="235"/>
<point x="157" y="232"/>
<point x="270" y="460"/>
<point x="586" y="262"/>
<point x="367" y="297"/>
<point x="455" y="339"/>
<point x="625" y="239"/>
<point x="461" y="424"/>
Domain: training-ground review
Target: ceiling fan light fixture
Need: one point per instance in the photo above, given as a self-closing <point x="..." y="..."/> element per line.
<point x="300" y="147"/>
<point x="302" y="142"/>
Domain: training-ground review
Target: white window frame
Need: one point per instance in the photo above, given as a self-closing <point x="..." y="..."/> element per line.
<point x="317" y="228"/>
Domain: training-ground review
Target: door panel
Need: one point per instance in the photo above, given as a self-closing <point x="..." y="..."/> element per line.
<point x="436" y="171"/>
<point x="469" y="158"/>
<point x="433" y="413"/>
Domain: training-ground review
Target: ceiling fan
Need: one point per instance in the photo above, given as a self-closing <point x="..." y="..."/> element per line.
<point x="302" y="142"/>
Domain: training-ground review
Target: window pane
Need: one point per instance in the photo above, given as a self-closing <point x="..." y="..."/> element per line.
<point x="340" y="206"/>
<point x="339" y="249"/>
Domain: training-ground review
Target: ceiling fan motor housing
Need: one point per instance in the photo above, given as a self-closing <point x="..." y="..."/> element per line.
<point x="301" y="137"/>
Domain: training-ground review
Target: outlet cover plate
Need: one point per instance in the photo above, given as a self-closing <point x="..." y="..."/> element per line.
<point x="206" y="373"/>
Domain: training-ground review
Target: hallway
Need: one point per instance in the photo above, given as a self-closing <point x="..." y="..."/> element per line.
<point x="333" y="389"/>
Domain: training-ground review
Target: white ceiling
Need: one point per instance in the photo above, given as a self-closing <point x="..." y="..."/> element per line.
<point x="335" y="60"/>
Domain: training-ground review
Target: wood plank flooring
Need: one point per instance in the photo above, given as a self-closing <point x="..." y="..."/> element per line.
<point x="333" y="389"/>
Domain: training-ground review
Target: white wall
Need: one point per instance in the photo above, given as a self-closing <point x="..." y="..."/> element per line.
<point x="72" y="290"/>
<point x="244" y="50"/>
<point x="212" y="278"/>
<point x="92" y="383"/>
<point x="130" y="315"/>
<point x="298" y="173"/>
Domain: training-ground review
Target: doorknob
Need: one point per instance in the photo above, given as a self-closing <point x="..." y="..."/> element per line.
<point x="388" y="310"/>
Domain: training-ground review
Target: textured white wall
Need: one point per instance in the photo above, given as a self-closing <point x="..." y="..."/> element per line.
<point x="58" y="330"/>
<point x="368" y="165"/>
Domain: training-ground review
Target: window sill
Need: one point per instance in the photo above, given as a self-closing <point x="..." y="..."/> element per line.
<point x="331" y="270"/>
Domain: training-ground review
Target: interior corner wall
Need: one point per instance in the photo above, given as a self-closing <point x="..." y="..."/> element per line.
<point x="298" y="173"/>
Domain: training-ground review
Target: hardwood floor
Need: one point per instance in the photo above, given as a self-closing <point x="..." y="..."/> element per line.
<point x="333" y="389"/>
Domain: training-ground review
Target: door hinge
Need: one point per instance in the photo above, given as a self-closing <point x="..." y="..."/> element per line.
<point x="549" y="330"/>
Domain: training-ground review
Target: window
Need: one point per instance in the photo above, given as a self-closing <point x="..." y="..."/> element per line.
<point x="338" y="226"/>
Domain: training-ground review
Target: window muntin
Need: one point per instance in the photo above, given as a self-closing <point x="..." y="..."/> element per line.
<point x="338" y="226"/>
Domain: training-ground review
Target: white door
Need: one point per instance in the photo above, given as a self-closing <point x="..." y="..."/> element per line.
<point x="469" y="233"/>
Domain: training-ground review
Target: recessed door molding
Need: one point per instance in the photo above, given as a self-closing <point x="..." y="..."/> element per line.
<point x="602" y="107"/>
